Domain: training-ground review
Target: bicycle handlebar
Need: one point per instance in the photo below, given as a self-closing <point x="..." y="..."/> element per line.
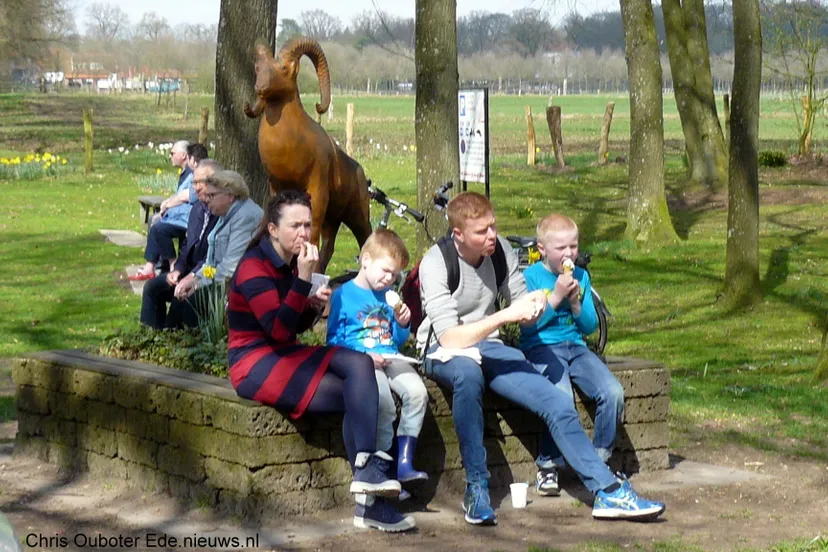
<point x="398" y="208"/>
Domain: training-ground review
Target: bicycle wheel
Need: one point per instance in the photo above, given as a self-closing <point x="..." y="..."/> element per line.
<point x="599" y="342"/>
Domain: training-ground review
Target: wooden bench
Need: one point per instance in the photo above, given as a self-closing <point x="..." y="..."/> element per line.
<point x="149" y="206"/>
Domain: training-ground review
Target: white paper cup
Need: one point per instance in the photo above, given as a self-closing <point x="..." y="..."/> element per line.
<point x="519" y="492"/>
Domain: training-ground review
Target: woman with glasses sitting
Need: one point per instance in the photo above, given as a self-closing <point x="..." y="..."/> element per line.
<point x="227" y="197"/>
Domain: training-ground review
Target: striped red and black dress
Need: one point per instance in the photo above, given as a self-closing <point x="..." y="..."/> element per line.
<point x="268" y="308"/>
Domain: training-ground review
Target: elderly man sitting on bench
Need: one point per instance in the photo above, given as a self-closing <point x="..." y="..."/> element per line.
<point x="171" y="222"/>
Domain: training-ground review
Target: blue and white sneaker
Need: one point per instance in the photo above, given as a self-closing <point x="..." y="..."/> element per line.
<point x="624" y="503"/>
<point x="379" y="514"/>
<point x="372" y="478"/>
<point x="477" y="505"/>
<point x="546" y="482"/>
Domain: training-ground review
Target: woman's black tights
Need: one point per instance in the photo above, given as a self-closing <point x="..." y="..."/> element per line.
<point x="350" y="386"/>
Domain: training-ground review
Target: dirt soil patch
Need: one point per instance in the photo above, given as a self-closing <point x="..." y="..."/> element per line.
<point x="788" y="503"/>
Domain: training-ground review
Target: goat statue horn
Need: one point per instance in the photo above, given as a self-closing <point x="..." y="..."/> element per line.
<point x="297" y="47"/>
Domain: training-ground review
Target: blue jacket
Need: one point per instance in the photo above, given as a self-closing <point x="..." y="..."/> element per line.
<point x="195" y="247"/>
<point x="180" y="214"/>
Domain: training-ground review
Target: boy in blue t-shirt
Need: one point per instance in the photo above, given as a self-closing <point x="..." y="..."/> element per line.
<point x="556" y="346"/>
<point x="367" y="316"/>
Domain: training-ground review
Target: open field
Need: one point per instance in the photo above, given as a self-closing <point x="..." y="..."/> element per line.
<point x="54" y="122"/>
<point x="738" y="377"/>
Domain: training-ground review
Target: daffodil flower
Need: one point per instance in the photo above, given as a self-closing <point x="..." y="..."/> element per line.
<point x="209" y="271"/>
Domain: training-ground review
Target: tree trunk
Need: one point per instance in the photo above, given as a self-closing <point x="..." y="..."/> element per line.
<point x="822" y="361"/>
<point x="603" y="145"/>
<point x="241" y="24"/>
<point x="742" y="265"/>
<point x="648" y="219"/>
<point x="530" y="137"/>
<point x="87" y="141"/>
<point x="205" y="121"/>
<point x="436" y="116"/>
<point x="553" y="121"/>
<point x="349" y="130"/>
<point x="726" y="102"/>
<point x="693" y="83"/>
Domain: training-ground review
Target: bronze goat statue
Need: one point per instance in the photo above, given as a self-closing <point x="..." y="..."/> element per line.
<point x="297" y="152"/>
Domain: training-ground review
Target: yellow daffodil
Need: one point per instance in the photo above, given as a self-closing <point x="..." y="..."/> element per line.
<point x="158" y="171"/>
<point x="16" y="161"/>
<point x="47" y="156"/>
<point x="63" y="161"/>
<point x="209" y="271"/>
<point x="47" y="165"/>
<point x="4" y="160"/>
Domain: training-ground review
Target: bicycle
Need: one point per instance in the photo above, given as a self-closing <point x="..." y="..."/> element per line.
<point x="390" y="206"/>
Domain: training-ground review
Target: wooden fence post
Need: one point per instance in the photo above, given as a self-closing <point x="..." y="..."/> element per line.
<point x="530" y="138"/>
<point x="87" y="140"/>
<point x="349" y="130"/>
<point x="727" y="119"/>
<point x="603" y="145"/>
<point x="553" y="119"/>
<point x="205" y="118"/>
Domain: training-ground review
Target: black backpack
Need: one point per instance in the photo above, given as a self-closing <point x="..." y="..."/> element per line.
<point x="412" y="295"/>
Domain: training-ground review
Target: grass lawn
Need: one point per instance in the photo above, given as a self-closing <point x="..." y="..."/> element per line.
<point x="743" y="376"/>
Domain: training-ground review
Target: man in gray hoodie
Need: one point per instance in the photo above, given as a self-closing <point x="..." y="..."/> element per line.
<point x="461" y="326"/>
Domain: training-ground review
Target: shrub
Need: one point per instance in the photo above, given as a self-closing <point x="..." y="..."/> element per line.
<point x="210" y="306"/>
<point x="772" y="158"/>
<point x="181" y="349"/>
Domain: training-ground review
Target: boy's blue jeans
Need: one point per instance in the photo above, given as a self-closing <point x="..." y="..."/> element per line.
<point x="510" y="375"/>
<point x="565" y="363"/>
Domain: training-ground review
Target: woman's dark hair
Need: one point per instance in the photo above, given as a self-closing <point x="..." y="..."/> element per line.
<point x="275" y="207"/>
<point x="197" y="152"/>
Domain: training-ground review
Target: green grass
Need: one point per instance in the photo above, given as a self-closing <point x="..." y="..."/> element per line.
<point x="7" y="409"/>
<point x="737" y="376"/>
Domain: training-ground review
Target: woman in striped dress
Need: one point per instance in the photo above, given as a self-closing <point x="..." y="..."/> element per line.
<point x="269" y="306"/>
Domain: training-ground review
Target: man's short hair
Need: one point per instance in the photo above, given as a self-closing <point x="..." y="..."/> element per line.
<point x="181" y="146"/>
<point x="210" y="164"/>
<point x="197" y="152"/>
<point x="386" y="242"/>
<point x="555" y="222"/>
<point x="467" y="205"/>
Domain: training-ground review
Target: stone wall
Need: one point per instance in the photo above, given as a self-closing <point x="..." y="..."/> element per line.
<point x="190" y="435"/>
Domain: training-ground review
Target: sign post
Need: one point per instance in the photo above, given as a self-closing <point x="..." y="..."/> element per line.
<point x="473" y="128"/>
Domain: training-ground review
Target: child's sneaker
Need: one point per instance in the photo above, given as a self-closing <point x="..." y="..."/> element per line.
<point x="546" y="482"/>
<point x="379" y="514"/>
<point x="477" y="505"/>
<point x="372" y="477"/>
<point x="624" y="503"/>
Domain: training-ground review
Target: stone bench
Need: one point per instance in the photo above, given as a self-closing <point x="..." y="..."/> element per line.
<point x="190" y="434"/>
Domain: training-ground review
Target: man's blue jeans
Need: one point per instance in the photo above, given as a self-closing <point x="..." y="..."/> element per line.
<point x="567" y="363"/>
<point x="511" y="376"/>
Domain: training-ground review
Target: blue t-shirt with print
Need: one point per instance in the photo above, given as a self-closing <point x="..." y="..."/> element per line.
<point x="558" y="325"/>
<point x="360" y="319"/>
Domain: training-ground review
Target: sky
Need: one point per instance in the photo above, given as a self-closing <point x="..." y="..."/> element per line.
<point x="207" y="11"/>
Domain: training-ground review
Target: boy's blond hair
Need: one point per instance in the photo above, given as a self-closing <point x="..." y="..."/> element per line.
<point x="386" y="242"/>
<point x="465" y="206"/>
<point x="555" y="222"/>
